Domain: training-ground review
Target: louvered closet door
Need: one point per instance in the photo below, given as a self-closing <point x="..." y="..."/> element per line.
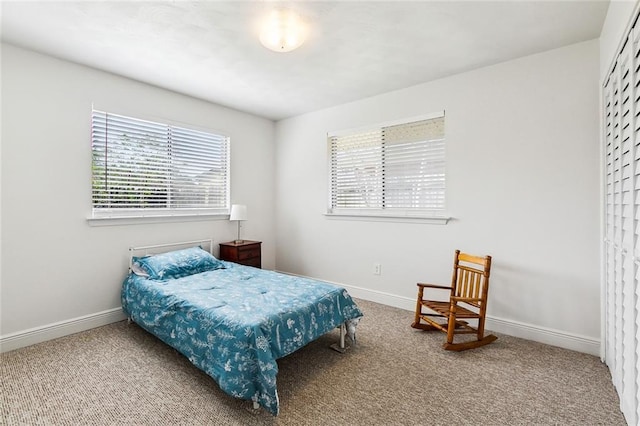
<point x="633" y="131"/>
<point x="612" y="159"/>
<point x="622" y="197"/>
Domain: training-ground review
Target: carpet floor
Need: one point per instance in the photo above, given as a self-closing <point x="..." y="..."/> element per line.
<point x="120" y="375"/>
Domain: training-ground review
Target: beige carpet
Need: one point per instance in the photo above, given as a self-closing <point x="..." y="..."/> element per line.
<point x="119" y="374"/>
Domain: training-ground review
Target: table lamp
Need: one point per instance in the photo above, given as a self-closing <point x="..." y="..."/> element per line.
<point x="238" y="213"/>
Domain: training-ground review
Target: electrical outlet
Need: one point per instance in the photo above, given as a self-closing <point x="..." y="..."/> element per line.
<point x="377" y="269"/>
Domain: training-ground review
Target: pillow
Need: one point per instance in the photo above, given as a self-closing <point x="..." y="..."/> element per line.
<point x="137" y="269"/>
<point x="176" y="264"/>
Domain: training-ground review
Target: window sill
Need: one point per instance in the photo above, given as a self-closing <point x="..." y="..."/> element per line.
<point x="140" y="220"/>
<point x="433" y="220"/>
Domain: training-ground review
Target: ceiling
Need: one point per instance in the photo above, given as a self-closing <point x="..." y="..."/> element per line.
<point x="210" y="49"/>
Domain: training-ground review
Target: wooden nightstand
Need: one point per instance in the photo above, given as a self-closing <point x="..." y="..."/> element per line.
<point x="246" y="253"/>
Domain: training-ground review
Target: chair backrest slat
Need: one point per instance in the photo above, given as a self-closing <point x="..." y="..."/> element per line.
<point x="476" y="285"/>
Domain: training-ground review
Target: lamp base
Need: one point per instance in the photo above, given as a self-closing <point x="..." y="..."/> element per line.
<point x="239" y="241"/>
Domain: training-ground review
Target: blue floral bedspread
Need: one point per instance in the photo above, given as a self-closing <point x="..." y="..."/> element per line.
<point x="234" y="323"/>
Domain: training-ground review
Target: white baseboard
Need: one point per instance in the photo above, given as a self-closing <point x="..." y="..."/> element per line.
<point x="546" y="335"/>
<point x="536" y="333"/>
<point x="35" y="335"/>
<point x="513" y="328"/>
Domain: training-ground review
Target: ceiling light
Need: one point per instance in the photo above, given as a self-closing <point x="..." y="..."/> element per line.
<point x="283" y="31"/>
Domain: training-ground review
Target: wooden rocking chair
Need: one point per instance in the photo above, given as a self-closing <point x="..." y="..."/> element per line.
<point x="467" y="300"/>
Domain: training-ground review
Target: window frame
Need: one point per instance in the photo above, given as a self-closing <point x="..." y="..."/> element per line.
<point x="382" y="215"/>
<point x="133" y="215"/>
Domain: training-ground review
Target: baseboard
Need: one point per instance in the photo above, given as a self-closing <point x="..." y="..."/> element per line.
<point x="549" y="336"/>
<point x="536" y="333"/>
<point x="35" y="335"/>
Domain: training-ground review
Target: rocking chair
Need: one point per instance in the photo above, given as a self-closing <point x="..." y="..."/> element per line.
<point x="467" y="301"/>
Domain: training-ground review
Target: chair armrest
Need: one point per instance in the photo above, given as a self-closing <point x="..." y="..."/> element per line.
<point x="444" y="287"/>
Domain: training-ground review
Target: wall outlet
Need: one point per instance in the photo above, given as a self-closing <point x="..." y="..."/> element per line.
<point x="377" y="269"/>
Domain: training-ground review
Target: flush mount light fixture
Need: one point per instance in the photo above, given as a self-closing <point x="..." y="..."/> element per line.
<point x="283" y="31"/>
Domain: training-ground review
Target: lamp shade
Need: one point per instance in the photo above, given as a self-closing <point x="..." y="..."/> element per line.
<point x="238" y="212"/>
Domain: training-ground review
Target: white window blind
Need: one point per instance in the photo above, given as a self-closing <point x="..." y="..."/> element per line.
<point x="143" y="168"/>
<point x="396" y="170"/>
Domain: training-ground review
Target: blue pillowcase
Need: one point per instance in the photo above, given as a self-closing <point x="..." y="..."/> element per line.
<point x="176" y="264"/>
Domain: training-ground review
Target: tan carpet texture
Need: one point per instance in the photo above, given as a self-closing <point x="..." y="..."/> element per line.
<point x="121" y="375"/>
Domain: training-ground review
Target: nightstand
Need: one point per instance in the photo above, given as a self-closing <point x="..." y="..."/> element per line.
<point x="246" y="253"/>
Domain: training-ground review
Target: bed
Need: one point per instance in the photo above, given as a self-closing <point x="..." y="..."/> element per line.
<point x="233" y="321"/>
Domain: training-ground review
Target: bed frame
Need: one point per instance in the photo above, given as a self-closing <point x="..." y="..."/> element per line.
<point x="341" y="346"/>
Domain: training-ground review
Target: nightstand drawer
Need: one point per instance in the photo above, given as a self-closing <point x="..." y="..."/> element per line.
<point x="255" y="262"/>
<point x="249" y="252"/>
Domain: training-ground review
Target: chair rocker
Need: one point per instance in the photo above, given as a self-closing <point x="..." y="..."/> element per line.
<point x="467" y="301"/>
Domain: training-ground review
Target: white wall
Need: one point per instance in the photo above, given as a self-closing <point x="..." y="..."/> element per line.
<point x="522" y="185"/>
<point x="57" y="268"/>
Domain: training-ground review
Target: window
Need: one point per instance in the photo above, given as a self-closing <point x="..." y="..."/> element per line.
<point x="390" y="170"/>
<point x="143" y="168"/>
